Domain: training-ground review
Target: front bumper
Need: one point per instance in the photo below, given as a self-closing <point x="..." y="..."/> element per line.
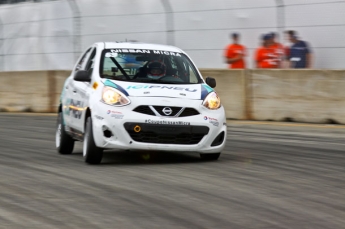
<point x="122" y="128"/>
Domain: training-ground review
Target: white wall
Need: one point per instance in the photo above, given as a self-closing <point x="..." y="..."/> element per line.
<point x="34" y="38"/>
<point x="40" y="36"/>
<point x="322" y="24"/>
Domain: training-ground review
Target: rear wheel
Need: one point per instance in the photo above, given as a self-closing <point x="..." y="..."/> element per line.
<point x="64" y="143"/>
<point x="92" y="154"/>
<point x="209" y="156"/>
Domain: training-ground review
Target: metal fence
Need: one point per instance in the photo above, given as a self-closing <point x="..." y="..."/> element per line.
<point x="19" y="1"/>
<point x="51" y="34"/>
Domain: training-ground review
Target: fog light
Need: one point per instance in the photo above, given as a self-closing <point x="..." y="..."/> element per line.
<point x="219" y="139"/>
<point x="107" y="133"/>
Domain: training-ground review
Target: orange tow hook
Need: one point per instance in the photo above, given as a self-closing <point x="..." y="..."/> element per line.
<point x="137" y="129"/>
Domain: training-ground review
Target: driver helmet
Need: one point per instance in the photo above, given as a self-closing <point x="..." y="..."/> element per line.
<point x="156" y="69"/>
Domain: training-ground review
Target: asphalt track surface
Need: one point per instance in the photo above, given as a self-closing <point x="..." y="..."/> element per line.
<point x="269" y="176"/>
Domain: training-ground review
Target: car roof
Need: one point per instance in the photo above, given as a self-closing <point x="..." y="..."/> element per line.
<point x="139" y="45"/>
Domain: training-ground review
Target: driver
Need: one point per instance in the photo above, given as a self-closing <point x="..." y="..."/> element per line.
<point x="156" y="69"/>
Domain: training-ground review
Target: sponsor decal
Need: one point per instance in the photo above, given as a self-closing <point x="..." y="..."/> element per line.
<point x="117" y="116"/>
<point x="114" y="85"/>
<point x="211" y="120"/>
<point x="99" y="117"/>
<point x="73" y="108"/>
<point x="205" y="90"/>
<point x="163" y="122"/>
<point x="215" y="123"/>
<point x="113" y="112"/>
<point x="113" y="52"/>
<point x="162" y="87"/>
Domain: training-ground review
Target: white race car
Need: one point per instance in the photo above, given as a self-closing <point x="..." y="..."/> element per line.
<point x="135" y="96"/>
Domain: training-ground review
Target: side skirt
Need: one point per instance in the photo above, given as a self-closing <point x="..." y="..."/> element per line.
<point x="75" y="134"/>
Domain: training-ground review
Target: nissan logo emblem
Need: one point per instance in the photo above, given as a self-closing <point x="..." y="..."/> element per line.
<point x="167" y="110"/>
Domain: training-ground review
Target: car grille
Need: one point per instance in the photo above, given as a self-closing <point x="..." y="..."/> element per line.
<point x="144" y="110"/>
<point x="189" y="112"/>
<point x="159" y="109"/>
<point x="166" y="134"/>
<point x="149" y="110"/>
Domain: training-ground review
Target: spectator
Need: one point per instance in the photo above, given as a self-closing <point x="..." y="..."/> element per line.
<point x="300" y="53"/>
<point x="278" y="49"/>
<point x="234" y="53"/>
<point x="265" y="56"/>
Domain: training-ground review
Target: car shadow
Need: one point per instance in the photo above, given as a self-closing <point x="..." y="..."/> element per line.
<point x="146" y="157"/>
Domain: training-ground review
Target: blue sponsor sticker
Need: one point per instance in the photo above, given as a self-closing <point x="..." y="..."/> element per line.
<point x="114" y="85"/>
<point x="205" y="90"/>
<point x="162" y="87"/>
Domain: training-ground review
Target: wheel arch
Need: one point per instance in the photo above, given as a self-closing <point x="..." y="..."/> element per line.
<point x="87" y="114"/>
<point x="60" y="108"/>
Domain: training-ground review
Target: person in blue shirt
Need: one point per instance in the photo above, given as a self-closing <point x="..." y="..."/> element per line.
<point x="299" y="54"/>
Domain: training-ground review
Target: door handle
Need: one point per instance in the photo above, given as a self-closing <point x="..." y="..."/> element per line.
<point x="74" y="91"/>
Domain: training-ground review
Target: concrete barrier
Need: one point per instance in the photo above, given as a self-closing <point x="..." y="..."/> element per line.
<point x="315" y="96"/>
<point x="32" y="91"/>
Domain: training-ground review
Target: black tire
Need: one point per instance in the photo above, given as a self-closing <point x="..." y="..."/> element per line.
<point x="209" y="156"/>
<point x="64" y="143"/>
<point x="92" y="154"/>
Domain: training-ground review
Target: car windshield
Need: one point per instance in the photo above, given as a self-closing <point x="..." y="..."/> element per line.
<point x="142" y="65"/>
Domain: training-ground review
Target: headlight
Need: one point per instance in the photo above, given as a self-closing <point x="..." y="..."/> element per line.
<point x="114" y="97"/>
<point x="212" y="101"/>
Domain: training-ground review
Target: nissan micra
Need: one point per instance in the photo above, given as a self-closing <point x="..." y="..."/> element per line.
<point x="139" y="97"/>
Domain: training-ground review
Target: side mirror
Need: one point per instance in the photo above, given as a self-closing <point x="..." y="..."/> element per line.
<point x="211" y="82"/>
<point x="82" y="76"/>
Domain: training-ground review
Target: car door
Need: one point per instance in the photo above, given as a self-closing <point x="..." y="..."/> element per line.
<point x="68" y="97"/>
<point x="80" y="93"/>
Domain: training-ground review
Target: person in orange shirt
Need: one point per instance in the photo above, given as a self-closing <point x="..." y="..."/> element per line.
<point x="265" y="56"/>
<point x="234" y="53"/>
<point x="278" y="49"/>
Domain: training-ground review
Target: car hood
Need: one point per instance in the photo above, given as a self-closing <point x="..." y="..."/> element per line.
<point x="186" y="91"/>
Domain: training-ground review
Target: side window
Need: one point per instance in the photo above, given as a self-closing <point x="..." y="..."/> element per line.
<point x="90" y="63"/>
<point x="192" y="76"/>
<point x="82" y="60"/>
<point x="188" y="71"/>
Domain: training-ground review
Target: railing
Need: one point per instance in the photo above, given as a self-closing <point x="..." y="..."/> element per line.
<point x="43" y="35"/>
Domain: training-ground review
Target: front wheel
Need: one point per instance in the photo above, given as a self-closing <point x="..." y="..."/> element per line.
<point x="92" y="154"/>
<point x="209" y="156"/>
<point x="64" y="143"/>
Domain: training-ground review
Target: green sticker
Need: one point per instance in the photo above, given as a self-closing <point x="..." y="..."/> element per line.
<point x="110" y="84"/>
<point x="208" y="88"/>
